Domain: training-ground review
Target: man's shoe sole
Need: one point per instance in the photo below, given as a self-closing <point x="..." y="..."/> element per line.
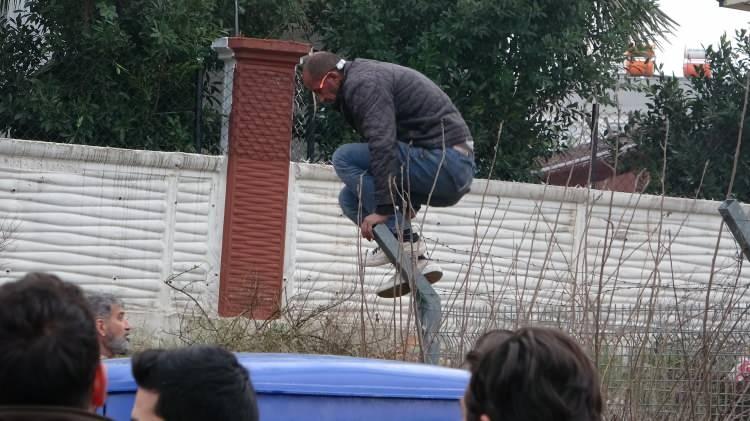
<point x="399" y="290"/>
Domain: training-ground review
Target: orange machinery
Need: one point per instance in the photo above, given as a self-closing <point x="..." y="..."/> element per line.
<point x="695" y="63"/>
<point x="639" y="61"/>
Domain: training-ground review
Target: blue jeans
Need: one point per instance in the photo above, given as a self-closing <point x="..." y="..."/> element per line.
<point x="352" y="162"/>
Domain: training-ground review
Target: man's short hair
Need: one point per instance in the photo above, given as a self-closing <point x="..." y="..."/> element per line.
<point x="197" y="383"/>
<point x="535" y="374"/>
<point x="101" y="303"/>
<point x="49" y="351"/>
<point x="320" y="63"/>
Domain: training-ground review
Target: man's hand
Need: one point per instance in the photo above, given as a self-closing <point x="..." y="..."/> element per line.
<point x="369" y="222"/>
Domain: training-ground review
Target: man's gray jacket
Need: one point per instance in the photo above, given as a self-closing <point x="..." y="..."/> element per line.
<point x="387" y="103"/>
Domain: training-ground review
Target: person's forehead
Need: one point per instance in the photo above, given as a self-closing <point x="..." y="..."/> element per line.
<point x="117" y="309"/>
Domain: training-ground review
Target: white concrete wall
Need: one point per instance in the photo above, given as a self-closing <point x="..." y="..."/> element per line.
<point x="112" y="219"/>
<point x="522" y="246"/>
<point x="126" y="221"/>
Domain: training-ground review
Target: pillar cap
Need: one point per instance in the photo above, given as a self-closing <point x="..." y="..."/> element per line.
<point x="272" y="50"/>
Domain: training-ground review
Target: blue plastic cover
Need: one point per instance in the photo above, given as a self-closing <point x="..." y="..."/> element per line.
<point x="325" y="375"/>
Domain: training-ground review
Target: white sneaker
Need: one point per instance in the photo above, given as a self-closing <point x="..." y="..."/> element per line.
<point x="377" y="257"/>
<point x="396" y="287"/>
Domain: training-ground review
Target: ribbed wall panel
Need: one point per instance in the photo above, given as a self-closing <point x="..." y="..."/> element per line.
<point x="520" y="244"/>
<point x="109" y="219"/>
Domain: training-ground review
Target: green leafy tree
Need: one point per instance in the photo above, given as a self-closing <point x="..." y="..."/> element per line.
<point x="118" y="73"/>
<point x="122" y="72"/>
<point x="265" y="18"/>
<point x="511" y="61"/>
<point x="704" y="122"/>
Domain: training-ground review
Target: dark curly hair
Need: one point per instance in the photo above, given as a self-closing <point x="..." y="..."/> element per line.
<point x="49" y="352"/>
<point x="536" y="374"/>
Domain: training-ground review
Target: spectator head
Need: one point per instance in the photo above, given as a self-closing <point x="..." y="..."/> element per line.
<point x="536" y="374"/>
<point x="112" y="326"/>
<point x="50" y="354"/>
<point x="194" y="383"/>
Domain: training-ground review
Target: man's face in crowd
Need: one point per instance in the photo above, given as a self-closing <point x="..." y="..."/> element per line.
<point x="115" y="330"/>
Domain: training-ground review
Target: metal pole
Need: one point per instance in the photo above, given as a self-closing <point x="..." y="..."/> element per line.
<point x="427" y="301"/>
<point x="737" y="221"/>
<point x="309" y="136"/>
<point x="594" y="138"/>
<point x="236" y="18"/>
<point x="198" y="123"/>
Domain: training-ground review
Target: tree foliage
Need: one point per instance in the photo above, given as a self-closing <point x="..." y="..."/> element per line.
<point x="511" y="61"/>
<point x="704" y="122"/>
<point x="119" y="73"/>
<point x="122" y="72"/>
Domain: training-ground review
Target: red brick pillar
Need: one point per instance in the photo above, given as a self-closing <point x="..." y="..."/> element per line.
<point x="259" y="138"/>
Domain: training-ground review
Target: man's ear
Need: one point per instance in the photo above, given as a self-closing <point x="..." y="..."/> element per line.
<point x="100" y="328"/>
<point x="99" y="390"/>
<point x="337" y="77"/>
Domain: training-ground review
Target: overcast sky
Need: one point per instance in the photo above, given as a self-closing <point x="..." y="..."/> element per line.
<point x="701" y="23"/>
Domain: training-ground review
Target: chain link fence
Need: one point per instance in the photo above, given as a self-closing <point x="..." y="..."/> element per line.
<point x="657" y="362"/>
<point x="304" y="145"/>
<point x="317" y="128"/>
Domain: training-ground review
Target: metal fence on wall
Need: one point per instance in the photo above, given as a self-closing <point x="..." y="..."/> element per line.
<point x="186" y="119"/>
<point x="656" y="362"/>
<point x="304" y="147"/>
